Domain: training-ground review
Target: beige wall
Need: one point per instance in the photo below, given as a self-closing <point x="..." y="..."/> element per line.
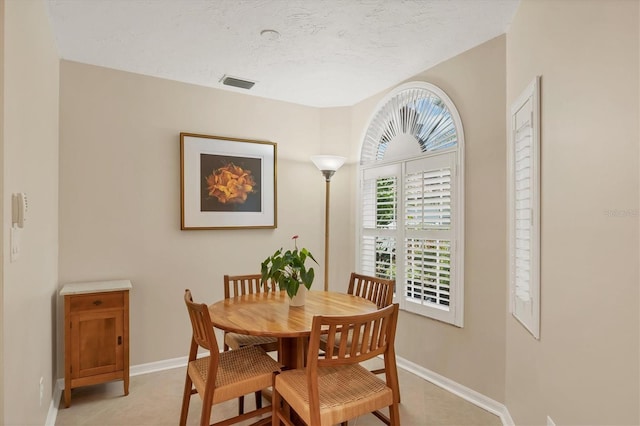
<point x="119" y="202"/>
<point x="474" y="355"/>
<point x="120" y="193"/>
<point x="30" y="162"/>
<point x="584" y="369"/>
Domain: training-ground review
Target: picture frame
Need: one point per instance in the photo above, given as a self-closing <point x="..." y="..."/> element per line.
<point x="227" y="183"/>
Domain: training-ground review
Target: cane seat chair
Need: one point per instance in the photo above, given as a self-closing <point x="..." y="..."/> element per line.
<point x="222" y="376"/>
<point x="238" y="285"/>
<point x="334" y="387"/>
<point x="377" y="290"/>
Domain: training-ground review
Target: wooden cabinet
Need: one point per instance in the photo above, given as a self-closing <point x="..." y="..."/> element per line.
<point x="96" y="340"/>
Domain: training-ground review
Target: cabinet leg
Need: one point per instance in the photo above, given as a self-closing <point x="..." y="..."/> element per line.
<point x="126" y="386"/>
<point x="67" y="396"/>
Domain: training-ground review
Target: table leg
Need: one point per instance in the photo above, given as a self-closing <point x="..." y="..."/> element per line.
<point x="292" y="352"/>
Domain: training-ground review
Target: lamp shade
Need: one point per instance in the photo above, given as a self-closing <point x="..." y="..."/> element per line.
<point x="328" y="162"/>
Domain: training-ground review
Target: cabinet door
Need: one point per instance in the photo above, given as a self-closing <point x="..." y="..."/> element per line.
<point x="97" y="342"/>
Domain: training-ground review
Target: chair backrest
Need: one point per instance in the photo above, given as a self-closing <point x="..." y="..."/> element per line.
<point x="238" y="285"/>
<point x="377" y="290"/>
<point x="203" y="334"/>
<point x="356" y="338"/>
<point x="371" y="334"/>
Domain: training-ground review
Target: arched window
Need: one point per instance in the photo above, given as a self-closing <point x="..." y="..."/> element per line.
<point x="412" y="200"/>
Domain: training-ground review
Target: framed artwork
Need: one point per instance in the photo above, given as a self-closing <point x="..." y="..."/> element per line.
<point x="227" y="183"/>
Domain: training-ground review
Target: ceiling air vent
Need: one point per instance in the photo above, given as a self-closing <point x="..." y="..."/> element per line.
<point x="237" y="82"/>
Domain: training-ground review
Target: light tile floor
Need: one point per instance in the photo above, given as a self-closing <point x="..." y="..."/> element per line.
<point x="155" y="399"/>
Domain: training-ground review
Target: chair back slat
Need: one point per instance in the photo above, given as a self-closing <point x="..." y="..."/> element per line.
<point x="239" y="285"/>
<point x="331" y="336"/>
<point x="377" y="290"/>
<point x="356" y="338"/>
<point x="359" y="338"/>
<point x="378" y="338"/>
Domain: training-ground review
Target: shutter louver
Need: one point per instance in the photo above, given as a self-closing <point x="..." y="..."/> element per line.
<point x="368" y="204"/>
<point x="379" y="212"/>
<point x="523" y="195"/>
<point x="428" y="243"/>
<point x="415" y="112"/>
<point x="428" y="200"/>
<point x="428" y="270"/>
<point x="378" y="256"/>
<point x="386" y="203"/>
<point x="368" y="255"/>
<point x="379" y="203"/>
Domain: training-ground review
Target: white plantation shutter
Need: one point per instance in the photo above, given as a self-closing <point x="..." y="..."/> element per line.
<point x="523" y="194"/>
<point x="524" y="210"/>
<point x="386" y="202"/>
<point x="412" y="201"/>
<point x="428" y="269"/>
<point x="428" y="239"/>
<point x="378" y="256"/>
<point x="427" y="197"/>
<point x="379" y="218"/>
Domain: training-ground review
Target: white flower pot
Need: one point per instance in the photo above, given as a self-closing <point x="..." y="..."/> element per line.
<point x="300" y="297"/>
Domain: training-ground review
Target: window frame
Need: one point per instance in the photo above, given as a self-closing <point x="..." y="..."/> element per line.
<point x="455" y="314"/>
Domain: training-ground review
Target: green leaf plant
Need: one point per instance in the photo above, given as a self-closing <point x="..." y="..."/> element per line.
<point x="288" y="269"/>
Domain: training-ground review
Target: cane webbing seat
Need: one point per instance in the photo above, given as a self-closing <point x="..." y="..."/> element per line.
<point x="344" y="393"/>
<point x="333" y="387"/>
<point x="222" y="376"/>
<point x="240" y="372"/>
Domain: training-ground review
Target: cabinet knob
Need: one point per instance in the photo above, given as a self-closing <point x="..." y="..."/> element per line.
<point x="119" y="340"/>
<point x="97" y="302"/>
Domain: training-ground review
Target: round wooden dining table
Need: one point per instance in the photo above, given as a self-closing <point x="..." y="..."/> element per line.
<point x="269" y="314"/>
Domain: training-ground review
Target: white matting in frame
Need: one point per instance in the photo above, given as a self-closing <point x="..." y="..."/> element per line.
<point x="227" y="183"/>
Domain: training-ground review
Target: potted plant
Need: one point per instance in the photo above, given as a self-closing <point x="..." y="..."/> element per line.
<point x="287" y="268"/>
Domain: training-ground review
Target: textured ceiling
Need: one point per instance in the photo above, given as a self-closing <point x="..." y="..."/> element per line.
<point x="329" y="53"/>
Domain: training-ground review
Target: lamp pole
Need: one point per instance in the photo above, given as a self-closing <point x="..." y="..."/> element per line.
<point x="328" y="165"/>
<point x="327" y="197"/>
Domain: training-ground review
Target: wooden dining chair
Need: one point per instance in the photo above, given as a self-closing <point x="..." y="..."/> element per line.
<point x="377" y="290"/>
<point x="222" y="376"/>
<point x="334" y="387"/>
<point x="238" y="285"/>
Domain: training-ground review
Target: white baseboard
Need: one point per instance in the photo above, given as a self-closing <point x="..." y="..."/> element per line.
<point x="152" y="367"/>
<point x="449" y="385"/>
<point x="468" y="394"/>
<point x="55" y="401"/>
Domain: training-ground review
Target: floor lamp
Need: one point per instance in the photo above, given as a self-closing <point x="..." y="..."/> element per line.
<point x="328" y="165"/>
